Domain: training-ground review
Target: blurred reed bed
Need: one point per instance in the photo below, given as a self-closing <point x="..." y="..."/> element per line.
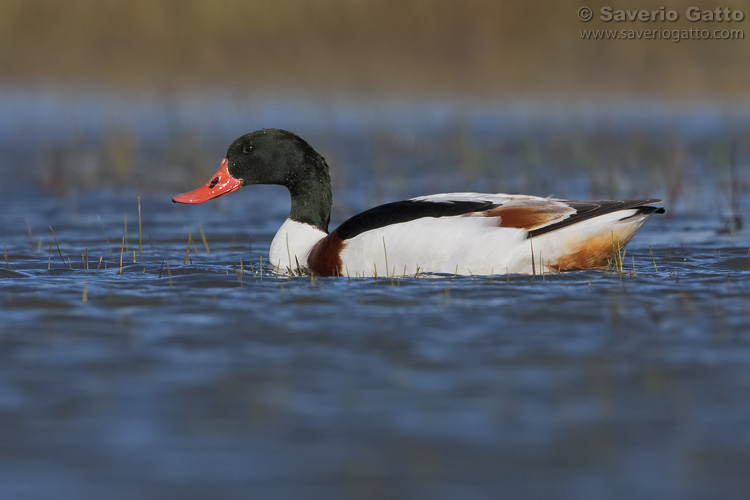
<point x="471" y="47"/>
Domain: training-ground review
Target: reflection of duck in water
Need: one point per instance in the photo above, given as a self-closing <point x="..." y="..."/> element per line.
<point x="463" y="233"/>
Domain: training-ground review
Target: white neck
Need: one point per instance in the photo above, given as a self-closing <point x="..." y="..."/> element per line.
<point x="292" y="244"/>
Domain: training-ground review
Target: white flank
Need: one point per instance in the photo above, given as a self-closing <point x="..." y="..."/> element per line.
<point x="474" y="245"/>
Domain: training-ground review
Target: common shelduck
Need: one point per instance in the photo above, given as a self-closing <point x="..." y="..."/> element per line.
<point x="455" y="233"/>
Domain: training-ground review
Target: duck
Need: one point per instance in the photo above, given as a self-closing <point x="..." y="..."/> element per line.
<point x="458" y="233"/>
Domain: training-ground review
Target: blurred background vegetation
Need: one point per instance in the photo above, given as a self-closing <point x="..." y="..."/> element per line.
<point x="473" y="48"/>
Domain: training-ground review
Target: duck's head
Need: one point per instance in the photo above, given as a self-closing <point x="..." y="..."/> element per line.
<point x="272" y="156"/>
<point x="268" y="156"/>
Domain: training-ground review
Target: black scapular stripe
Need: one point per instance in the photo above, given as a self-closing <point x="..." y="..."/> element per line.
<point x="405" y="211"/>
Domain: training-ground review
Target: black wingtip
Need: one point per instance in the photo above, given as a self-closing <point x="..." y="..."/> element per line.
<point x="650" y="210"/>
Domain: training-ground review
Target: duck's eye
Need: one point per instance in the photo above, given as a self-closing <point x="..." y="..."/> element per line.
<point x="248" y="148"/>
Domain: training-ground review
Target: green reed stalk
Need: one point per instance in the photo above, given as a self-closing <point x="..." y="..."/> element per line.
<point x="654" y="260"/>
<point x="203" y="237"/>
<point x="187" y="251"/>
<point x="58" y="247"/>
<point x="5" y="253"/>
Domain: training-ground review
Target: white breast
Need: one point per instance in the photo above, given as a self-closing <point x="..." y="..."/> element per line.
<point x="292" y="244"/>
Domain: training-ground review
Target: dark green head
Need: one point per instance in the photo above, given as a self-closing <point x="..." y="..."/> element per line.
<point x="273" y="156"/>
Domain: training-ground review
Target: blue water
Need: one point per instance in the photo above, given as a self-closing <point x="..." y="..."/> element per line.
<point x="196" y="381"/>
